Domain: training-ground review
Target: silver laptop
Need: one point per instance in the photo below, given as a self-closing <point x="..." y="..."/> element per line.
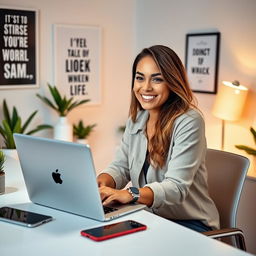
<point x="61" y="175"/>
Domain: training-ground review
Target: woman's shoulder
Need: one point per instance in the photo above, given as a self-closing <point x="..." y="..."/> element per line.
<point x="192" y="116"/>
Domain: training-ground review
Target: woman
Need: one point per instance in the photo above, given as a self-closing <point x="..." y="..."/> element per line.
<point x="163" y="147"/>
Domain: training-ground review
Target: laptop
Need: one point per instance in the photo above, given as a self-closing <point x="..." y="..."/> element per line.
<point x="61" y="175"/>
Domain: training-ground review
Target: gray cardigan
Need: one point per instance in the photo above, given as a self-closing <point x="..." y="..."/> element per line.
<point x="180" y="187"/>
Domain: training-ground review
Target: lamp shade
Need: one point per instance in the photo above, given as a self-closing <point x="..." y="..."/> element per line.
<point x="230" y="101"/>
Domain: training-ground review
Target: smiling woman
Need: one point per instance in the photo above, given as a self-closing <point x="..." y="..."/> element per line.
<point x="163" y="147"/>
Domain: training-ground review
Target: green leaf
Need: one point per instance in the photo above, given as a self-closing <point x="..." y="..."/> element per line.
<point x="47" y="102"/>
<point x="76" y="104"/>
<point x="13" y="124"/>
<point x="69" y="103"/>
<point x="17" y="127"/>
<point x="81" y="131"/>
<point x="253" y="134"/>
<point x="15" y="117"/>
<point x="248" y="150"/>
<point x="39" y="128"/>
<point x="63" y="104"/>
<point x="2" y="161"/>
<point x="2" y="131"/>
<point x="9" y="142"/>
<point x="6" y="112"/>
<point x="24" y="127"/>
<point x="6" y="126"/>
<point x="55" y="94"/>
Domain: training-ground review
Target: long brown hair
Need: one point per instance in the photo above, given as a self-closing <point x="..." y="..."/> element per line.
<point x="180" y="100"/>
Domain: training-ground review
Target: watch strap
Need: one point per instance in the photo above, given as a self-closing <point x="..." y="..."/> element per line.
<point x="135" y="193"/>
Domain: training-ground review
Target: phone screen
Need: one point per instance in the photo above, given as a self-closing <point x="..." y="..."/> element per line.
<point x="113" y="230"/>
<point x="22" y="217"/>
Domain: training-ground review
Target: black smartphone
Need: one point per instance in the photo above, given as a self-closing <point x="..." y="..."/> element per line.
<point x="113" y="230"/>
<point x="21" y="217"/>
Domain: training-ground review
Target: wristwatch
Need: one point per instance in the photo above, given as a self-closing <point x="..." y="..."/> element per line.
<point x="135" y="193"/>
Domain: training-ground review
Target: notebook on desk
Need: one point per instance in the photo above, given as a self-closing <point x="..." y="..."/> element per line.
<point x="61" y="175"/>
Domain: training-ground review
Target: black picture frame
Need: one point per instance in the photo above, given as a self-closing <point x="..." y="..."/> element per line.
<point x="202" y="61"/>
<point x="19" y="57"/>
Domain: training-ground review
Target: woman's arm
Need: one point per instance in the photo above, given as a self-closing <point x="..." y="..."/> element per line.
<point x="146" y="196"/>
<point x="110" y="195"/>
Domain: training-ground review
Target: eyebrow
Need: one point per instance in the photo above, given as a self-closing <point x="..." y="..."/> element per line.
<point x="153" y="75"/>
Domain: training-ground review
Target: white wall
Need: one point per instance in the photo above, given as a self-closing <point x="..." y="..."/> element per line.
<point x="116" y="18"/>
<point x="168" y="21"/>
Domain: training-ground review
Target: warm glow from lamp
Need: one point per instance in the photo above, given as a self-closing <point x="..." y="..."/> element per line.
<point x="229" y="103"/>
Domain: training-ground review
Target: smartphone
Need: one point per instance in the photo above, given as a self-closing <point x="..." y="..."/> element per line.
<point x="21" y="217"/>
<point x="113" y="230"/>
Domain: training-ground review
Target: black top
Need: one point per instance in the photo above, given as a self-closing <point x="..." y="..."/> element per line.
<point x="145" y="167"/>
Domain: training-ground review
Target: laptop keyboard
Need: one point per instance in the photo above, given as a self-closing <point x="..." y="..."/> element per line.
<point x="109" y="209"/>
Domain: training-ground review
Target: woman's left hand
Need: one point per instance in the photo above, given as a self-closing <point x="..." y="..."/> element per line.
<point x="109" y="195"/>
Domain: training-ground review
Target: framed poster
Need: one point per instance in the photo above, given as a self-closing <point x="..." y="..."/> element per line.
<point x="77" y="52"/>
<point x="19" y="48"/>
<point x="202" y="61"/>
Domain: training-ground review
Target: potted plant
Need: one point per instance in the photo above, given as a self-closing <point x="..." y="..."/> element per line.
<point x="12" y="123"/>
<point x="250" y="150"/>
<point x="121" y="129"/>
<point x="62" y="105"/>
<point x="2" y="173"/>
<point x="81" y="132"/>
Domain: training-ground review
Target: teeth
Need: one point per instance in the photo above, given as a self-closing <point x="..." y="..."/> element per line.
<point x="148" y="97"/>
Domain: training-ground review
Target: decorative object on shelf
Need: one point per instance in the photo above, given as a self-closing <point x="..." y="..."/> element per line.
<point x="62" y="105"/>
<point x="81" y="132"/>
<point x="2" y="173"/>
<point x="19" y="58"/>
<point x="229" y="103"/>
<point x="12" y="124"/>
<point x="202" y="60"/>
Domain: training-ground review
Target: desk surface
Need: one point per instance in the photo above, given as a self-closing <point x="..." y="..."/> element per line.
<point x="62" y="235"/>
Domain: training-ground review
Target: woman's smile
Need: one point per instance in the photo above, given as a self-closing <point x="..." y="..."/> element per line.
<point x="148" y="98"/>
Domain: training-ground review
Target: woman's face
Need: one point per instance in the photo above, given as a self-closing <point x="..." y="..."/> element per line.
<point x="150" y="88"/>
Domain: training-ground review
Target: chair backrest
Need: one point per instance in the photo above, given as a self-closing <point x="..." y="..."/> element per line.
<point x="226" y="175"/>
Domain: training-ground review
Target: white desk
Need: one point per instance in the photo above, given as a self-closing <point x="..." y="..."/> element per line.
<point x="62" y="235"/>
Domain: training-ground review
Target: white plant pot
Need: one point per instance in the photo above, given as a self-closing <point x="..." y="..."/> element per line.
<point x="63" y="130"/>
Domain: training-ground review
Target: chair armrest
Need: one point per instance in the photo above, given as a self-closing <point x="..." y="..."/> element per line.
<point x="228" y="232"/>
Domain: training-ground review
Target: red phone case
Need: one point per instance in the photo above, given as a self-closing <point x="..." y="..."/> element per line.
<point x="102" y="238"/>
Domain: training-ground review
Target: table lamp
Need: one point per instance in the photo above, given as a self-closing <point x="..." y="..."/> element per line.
<point x="229" y="102"/>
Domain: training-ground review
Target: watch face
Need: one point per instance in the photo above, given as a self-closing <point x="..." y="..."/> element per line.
<point x="134" y="190"/>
